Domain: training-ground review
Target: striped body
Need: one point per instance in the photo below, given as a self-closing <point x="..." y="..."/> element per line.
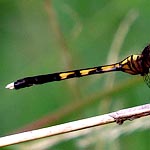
<point x="134" y="65"/>
<point x="41" y="79"/>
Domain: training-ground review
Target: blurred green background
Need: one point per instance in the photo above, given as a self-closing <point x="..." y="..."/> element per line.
<point x="39" y="37"/>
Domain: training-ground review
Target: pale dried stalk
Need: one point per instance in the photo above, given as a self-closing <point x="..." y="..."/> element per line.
<point x="118" y="117"/>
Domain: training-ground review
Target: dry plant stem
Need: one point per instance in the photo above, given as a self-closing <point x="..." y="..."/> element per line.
<point x="118" y="117"/>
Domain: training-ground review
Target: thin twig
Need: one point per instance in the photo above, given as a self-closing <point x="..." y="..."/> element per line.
<point x="118" y="117"/>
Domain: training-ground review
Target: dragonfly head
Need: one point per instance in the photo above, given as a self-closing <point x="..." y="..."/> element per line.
<point x="146" y="56"/>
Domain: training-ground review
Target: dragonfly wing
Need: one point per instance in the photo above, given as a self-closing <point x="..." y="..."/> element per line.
<point x="147" y="79"/>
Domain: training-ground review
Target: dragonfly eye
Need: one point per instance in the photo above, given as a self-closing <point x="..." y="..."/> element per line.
<point x="146" y="51"/>
<point x="146" y="56"/>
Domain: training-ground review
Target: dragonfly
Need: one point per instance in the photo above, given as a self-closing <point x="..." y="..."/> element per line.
<point x="133" y="64"/>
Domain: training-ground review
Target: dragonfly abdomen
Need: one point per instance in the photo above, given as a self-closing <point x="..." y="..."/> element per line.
<point x="41" y="79"/>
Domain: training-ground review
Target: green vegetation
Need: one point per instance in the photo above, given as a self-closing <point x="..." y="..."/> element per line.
<point x="38" y="37"/>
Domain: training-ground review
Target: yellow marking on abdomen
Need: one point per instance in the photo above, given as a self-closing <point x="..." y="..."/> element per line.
<point x="86" y="72"/>
<point x="65" y="75"/>
<point x="109" y="67"/>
